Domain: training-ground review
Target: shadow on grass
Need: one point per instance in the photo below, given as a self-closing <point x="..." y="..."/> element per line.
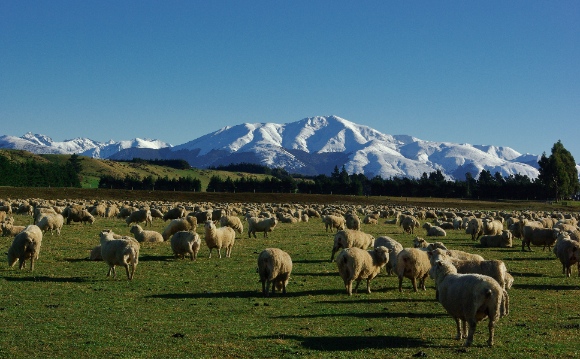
<point x="76" y="260"/>
<point x="522" y="274"/>
<point x="546" y="286"/>
<point x="150" y="258"/>
<point x="48" y="279"/>
<point x="377" y="300"/>
<point x="385" y="314"/>
<point x="311" y="261"/>
<point x="546" y="258"/>
<point x="351" y="343"/>
<point x="316" y="274"/>
<point x="243" y="294"/>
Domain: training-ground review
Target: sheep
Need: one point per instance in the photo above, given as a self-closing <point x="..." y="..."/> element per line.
<point x="274" y="266"/>
<point x="491" y="227"/>
<point x="260" y="225"/>
<point x="568" y="252"/>
<point x="26" y="245"/>
<point x="469" y="298"/>
<point x="174" y="213"/>
<point x="112" y="211"/>
<point x="503" y="240"/>
<point x="352" y="221"/>
<point x="139" y="216"/>
<point x="223" y="237"/>
<point x="394" y="248"/>
<point x="422" y="244"/>
<point x="75" y="214"/>
<point x="9" y="229"/>
<point x="493" y="268"/>
<point x="539" y="237"/>
<point x="233" y="222"/>
<point x="3" y="216"/>
<point x="95" y="254"/>
<point x="358" y="264"/>
<point x="51" y="221"/>
<point x="413" y="263"/>
<point x="348" y="238"/>
<point x="188" y="223"/>
<point x="434" y="231"/>
<point x="409" y="223"/>
<point x="156" y="213"/>
<point x="184" y="242"/>
<point x="145" y="236"/>
<point x="370" y="220"/>
<point x="99" y="210"/>
<point x="475" y="228"/>
<point x="119" y="251"/>
<point x="332" y="221"/>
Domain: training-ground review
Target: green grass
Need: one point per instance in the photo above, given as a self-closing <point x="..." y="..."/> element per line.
<point x="213" y="307"/>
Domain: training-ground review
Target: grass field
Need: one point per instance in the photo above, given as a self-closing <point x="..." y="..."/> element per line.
<point x="213" y="308"/>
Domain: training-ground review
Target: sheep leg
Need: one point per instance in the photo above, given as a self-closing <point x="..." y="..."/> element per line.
<point x="210" y="252"/>
<point x="129" y="277"/>
<point x="400" y="283"/>
<point x="414" y="281"/>
<point x="356" y="287"/>
<point x="219" y="252"/>
<point x="264" y="288"/>
<point x="348" y="285"/>
<point x="491" y="329"/>
<point x="368" y="286"/>
<point x="458" y="323"/>
<point x="471" y="330"/>
<point x="273" y="286"/>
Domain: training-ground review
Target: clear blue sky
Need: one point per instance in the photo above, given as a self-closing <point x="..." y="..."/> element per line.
<point x="504" y="73"/>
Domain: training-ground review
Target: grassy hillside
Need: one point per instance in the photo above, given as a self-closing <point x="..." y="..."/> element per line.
<point x="94" y="169"/>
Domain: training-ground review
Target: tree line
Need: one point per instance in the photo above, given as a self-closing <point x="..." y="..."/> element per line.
<point x="149" y="183"/>
<point x="32" y="173"/>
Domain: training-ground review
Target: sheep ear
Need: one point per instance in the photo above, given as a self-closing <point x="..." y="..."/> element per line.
<point x="448" y="253"/>
<point x="439" y="263"/>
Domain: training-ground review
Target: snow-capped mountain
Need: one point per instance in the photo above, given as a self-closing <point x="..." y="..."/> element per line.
<point x="310" y="146"/>
<point x="36" y="143"/>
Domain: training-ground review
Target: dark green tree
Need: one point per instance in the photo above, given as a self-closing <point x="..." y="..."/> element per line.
<point x="558" y="172"/>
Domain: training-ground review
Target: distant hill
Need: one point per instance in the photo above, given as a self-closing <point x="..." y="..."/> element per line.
<point x="310" y="146"/>
<point x="94" y="169"/>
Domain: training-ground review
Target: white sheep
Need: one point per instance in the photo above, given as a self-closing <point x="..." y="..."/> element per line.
<point x="331" y="221"/>
<point x="413" y="263"/>
<point x="491" y="226"/>
<point x="475" y="228"/>
<point x="358" y="264"/>
<point x="139" y="216"/>
<point x="233" y="222"/>
<point x="184" y="242"/>
<point x="492" y="268"/>
<point x="9" y="229"/>
<point x="26" y="245"/>
<point x="265" y="225"/>
<point x="469" y="298"/>
<point x="174" y="213"/>
<point x="568" y="252"/>
<point x="539" y="237"/>
<point x="503" y="240"/>
<point x="275" y="267"/>
<point x="78" y="214"/>
<point x="394" y="248"/>
<point x="348" y="238"/>
<point x="145" y="236"/>
<point x="50" y="222"/>
<point x="223" y="237"/>
<point x="434" y="231"/>
<point x="409" y="223"/>
<point x="119" y="251"/>
<point x="352" y="221"/>
<point x="188" y="223"/>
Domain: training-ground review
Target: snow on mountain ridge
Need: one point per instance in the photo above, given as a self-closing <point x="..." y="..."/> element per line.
<point x="312" y="145"/>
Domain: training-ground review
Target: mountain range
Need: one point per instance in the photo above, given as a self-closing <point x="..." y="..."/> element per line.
<point x="311" y="146"/>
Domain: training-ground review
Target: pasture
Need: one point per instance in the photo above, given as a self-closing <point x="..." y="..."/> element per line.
<point x="214" y="308"/>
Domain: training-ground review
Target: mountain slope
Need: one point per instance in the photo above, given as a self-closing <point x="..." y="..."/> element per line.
<point x="310" y="146"/>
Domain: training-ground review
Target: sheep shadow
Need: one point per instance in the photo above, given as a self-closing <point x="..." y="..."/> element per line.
<point x="368" y="315"/>
<point x="150" y="258"/>
<point x="532" y="259"/>
<point x="351" y="343"/>
<point x="242" y="294"/>
<point x="76" y="260"/>
<point x="311" y="261"/>
<point x="529" y="275"/>
<point x="45" y="279"/>
<point x="317" y="274"/>
<point x="377" y="301"/>
<point x="545" y="286"/>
